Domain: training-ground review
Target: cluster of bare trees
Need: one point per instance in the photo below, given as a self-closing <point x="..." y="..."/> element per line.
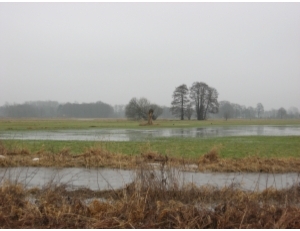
<point x="139" y="108"/>
<point x="282" y="113"/>
<point x="199" y="98"/>
<point x="229" y="110"/>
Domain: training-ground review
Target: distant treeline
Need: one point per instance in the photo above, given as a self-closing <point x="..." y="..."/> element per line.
<point x="53" y="109"/>
<point x="85" y="110"/>
<point x="228" y="110"/>
<point x="36" y="109"/>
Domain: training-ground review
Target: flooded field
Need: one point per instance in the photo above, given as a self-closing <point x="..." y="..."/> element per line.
<point x="142" y="134"/>
<point x="104" y="178"/>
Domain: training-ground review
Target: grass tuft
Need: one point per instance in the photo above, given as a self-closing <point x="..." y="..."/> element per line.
<point x="211" y="157"/>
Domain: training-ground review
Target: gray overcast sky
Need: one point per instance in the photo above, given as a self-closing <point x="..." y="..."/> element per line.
<point x="85" y="52"/>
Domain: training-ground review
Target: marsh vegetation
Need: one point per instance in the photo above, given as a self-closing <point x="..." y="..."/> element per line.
<point x="155" y="197"/>
<point x="148" y="202"/>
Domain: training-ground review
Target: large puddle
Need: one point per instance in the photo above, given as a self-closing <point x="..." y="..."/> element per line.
<point x="101" y="179"/>
<point x="143" y="134"/>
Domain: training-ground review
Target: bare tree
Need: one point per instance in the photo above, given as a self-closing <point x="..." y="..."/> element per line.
<point x="139" y="109"/>
<point x="157" y="111"/>
<point x="205" y="99"/>
<point x="180" y="101"/>
<point x="189" y="111"/>
<point x="281" y="113"/>
<point x="293" y="112"/>
<point x="197" y="94"/>
<point x="237" y="110"/>
<point x="250" y="112"/>
<point x="226" y="110"/>
<point x="212" y="104"/>
<point x="259" y="109"/>
<point x="134" y="109"/>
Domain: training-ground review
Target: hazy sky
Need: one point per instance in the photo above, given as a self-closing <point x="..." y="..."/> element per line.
<point x="85" y="52"/>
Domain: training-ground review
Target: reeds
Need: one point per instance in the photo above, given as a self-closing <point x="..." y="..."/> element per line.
<point x="154" y="200"/>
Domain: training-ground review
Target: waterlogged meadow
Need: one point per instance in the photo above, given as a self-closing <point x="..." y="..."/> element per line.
<point x="181" y="145"/>
<point x="155" y="195"/>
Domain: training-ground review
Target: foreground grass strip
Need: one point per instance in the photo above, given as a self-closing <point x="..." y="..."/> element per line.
<point x="99" y="157"/>
<point x="149" y="202"/>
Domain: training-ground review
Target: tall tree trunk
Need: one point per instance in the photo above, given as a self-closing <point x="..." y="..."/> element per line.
<point x="182" y="113"/>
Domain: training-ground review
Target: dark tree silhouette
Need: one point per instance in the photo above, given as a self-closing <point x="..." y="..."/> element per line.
<point x="281" y="113"/>
<point x="189" y="111"/>
<point x="139" y="109"/>
<point x="180" y="101"/>
<point x="205" y="99"/>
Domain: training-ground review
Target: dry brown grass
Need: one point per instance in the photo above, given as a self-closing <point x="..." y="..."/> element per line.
<point x="211" y="157"/>
<point x="252" y="164"/>
<point x="211" y="161"/>
<point x="92" y="157"/>
<point x="149" y="202"/>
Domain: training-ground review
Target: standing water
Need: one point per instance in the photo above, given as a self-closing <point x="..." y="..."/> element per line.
<point x="104" y="178"/>
<point x="142" y="134"/>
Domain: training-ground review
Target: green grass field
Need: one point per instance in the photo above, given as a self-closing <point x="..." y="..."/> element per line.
<point x="55" y="124"/>
<point x="229" y="147"/>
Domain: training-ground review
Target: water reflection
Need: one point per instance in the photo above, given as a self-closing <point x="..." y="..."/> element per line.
<point x="95" y="179"/>
<point x="260" y="130"/>
<point x="142" y="134"/>
<point x="104" y="178"/>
